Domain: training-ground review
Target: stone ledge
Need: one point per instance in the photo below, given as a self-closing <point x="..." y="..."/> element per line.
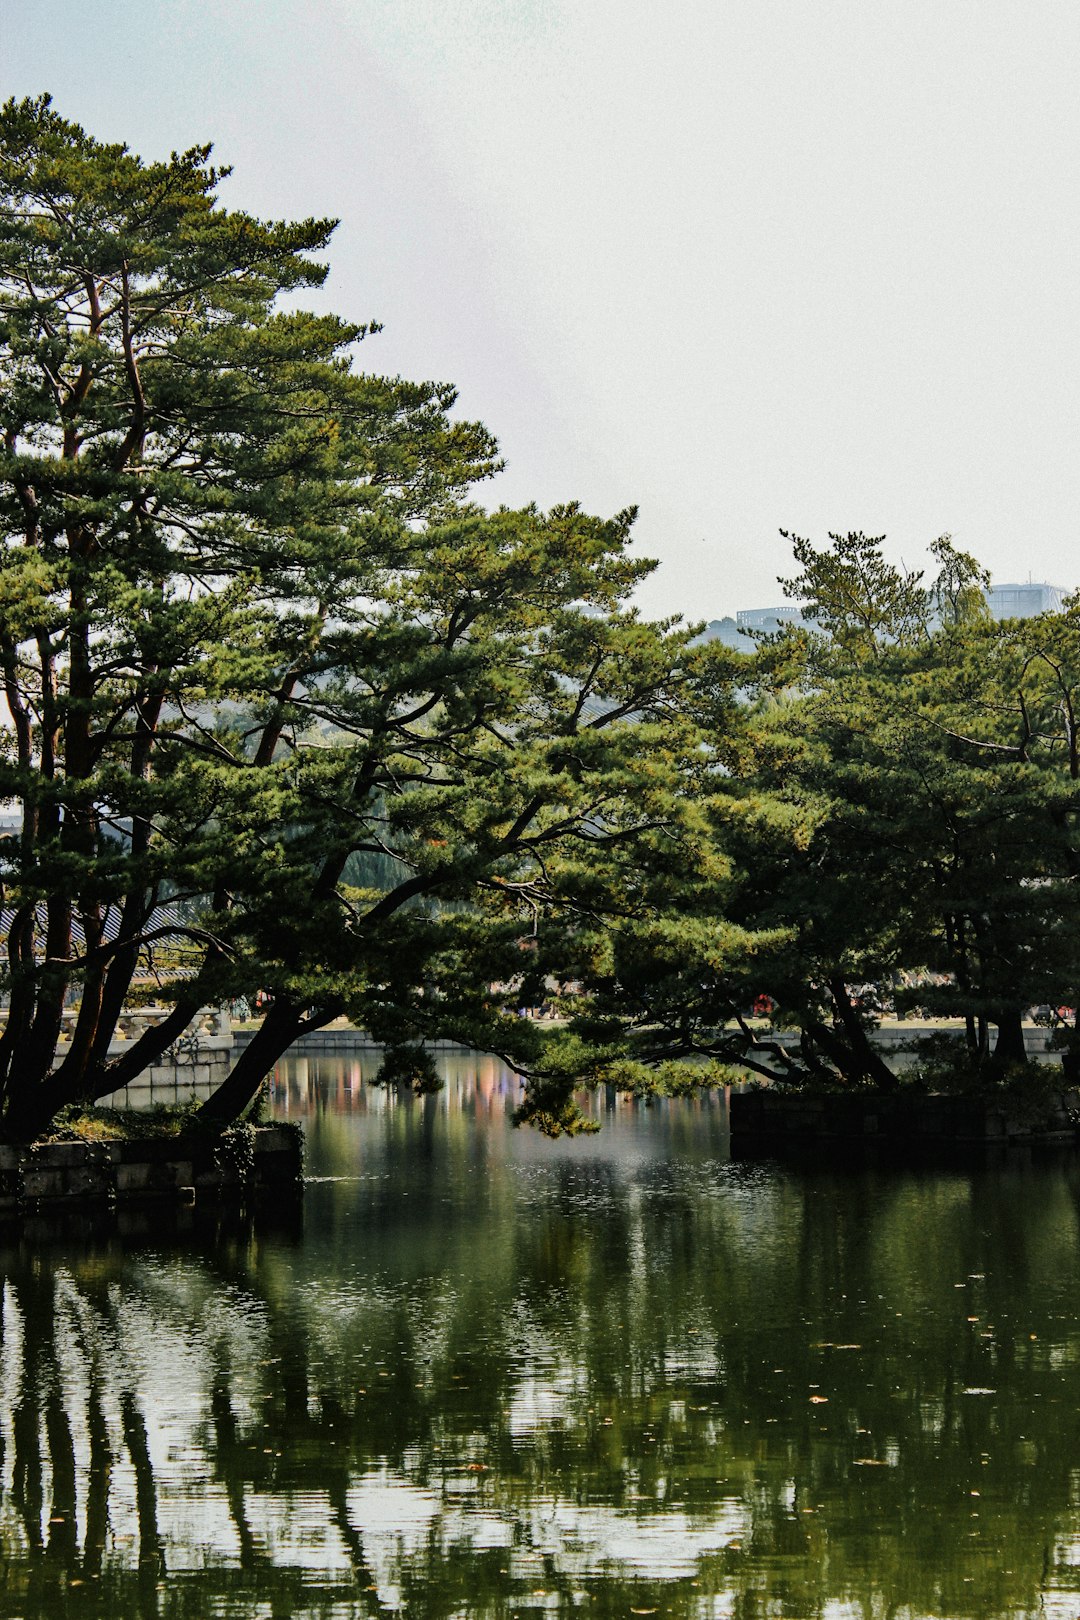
<point x="178" y="1168"/>
<point x="901" y="1117"/>
<point x="335" y="1042"/>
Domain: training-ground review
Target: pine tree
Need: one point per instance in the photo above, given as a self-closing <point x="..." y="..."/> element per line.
<point x="258" y="643"/>
<point x="897" y="811"/>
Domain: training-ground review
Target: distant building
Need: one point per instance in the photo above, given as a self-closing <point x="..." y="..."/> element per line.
<point x="739" y="632"/>
<point x="1024" y="601"/>
<point x="769" y="619"/>
<point x="1005" y="602"/>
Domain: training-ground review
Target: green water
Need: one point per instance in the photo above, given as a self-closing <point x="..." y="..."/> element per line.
<point x="487" y="1375"/>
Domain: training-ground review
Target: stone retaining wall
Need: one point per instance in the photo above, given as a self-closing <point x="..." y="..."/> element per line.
<point x="896" y="1042"/>
<point x="238" y="1164"/>
<point x="193" y="1066"/>
<point x="899" y="1043"/>
<point x="912" y="1116"/>
<point x="337" y="1042"/>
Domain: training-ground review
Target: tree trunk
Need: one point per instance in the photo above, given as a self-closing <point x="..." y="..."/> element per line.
<point x="34" y="1100"/>
<point x="1070" y="1066"/>
<point x="835" y="1049"/>
<point x="279" y="1029"/>
<point x="1010" y="1046"/>
<point x="873" y="1064"/>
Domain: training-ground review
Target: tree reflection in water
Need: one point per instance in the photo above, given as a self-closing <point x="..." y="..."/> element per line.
<point x="484" y="1377"/>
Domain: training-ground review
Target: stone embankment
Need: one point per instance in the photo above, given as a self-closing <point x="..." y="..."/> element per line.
<point x="247" y="1162"/>
<point x="197" y="1061"/>
<point x="775" y="1115"/>
<point x="336" y="1040"/>
<point x="194" y="1065"/>
<point x="899" y="1042"/>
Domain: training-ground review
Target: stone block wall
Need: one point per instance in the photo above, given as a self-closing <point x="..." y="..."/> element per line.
<point x="906" y="1116"/>
<point x="246" y="1162"/>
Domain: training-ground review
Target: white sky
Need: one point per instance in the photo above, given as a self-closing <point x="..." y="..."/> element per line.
<point x="749" y="264"/>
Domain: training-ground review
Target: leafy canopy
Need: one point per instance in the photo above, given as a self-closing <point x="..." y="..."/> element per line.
<point x="288" y="713"/>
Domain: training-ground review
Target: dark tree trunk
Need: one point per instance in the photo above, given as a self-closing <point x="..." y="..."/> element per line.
<point x="279" y="1029"/>
<point x="1010" y="1046"/>
<point x="837" y="1050"/>
<point x="276" y="1034"/>
<point x="873" y="1064"/>
<point x="33" y="1102"/>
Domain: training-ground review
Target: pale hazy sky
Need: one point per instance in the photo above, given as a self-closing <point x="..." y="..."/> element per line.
<point x="749" y="264"/>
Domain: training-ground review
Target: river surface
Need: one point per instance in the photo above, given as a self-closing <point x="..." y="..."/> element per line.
<point x="482" y="1374"/>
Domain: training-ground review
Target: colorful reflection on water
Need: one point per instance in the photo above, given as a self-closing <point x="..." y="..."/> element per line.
<point x="480" y="1374"/>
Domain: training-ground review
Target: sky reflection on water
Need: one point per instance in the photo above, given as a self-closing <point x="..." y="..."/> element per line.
<point x="483" y="1374"/>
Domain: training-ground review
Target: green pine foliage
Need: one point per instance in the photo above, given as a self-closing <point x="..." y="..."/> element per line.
<point x="900" y="816"/>
<point x="289" y="713"/>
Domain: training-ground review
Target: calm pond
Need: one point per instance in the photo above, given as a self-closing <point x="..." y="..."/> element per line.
<point x="482" y="1374"/>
